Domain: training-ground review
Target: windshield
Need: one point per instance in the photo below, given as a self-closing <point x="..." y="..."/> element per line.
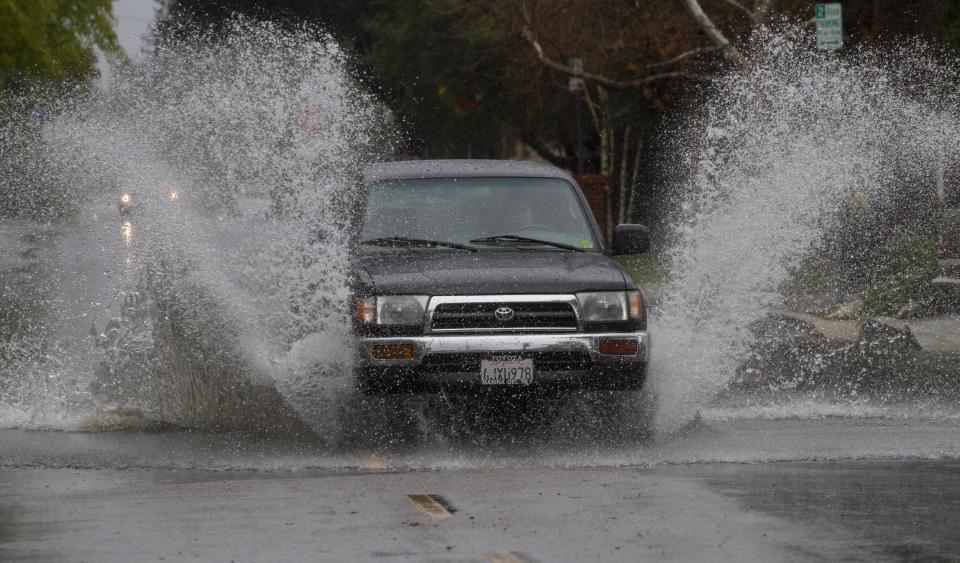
<point x="461" y="210"/>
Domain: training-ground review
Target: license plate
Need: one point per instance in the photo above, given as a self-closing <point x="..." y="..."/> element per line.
<point x="506" y="370"/>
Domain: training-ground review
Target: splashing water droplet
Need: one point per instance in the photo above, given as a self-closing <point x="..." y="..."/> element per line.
<point x="784" y="141"/>
<point x="237" y="287"/>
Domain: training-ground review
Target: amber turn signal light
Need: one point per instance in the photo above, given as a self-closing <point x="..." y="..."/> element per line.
<point x="618" y="347"/>
<point x="635" y="304"/>
<point x="392" y="351"/>
<point x="367" y="310"/>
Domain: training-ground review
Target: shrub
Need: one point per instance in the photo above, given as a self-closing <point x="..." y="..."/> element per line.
<point x="903" y="274"/>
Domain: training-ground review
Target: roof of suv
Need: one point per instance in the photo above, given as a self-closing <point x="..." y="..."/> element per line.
<point x="408" y="169"/>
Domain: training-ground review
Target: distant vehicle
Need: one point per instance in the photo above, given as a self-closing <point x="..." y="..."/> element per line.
<point x="477" y="274"/>
<point x="126" y="204"/>
<point x="948" y="283"/>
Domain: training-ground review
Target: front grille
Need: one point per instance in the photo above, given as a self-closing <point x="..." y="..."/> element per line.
<point x="478" y="317"/>
<point x="470" y="362"/>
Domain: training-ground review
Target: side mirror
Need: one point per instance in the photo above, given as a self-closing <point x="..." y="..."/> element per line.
<point x="630" y="239"/>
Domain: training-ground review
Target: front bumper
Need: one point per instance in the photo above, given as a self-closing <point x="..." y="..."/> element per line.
<point x="451" y="362"/>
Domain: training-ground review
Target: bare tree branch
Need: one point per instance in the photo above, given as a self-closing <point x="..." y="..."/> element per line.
<point x="682" y="56"/>
<point x="713" y="32"/>
<point x="649" y="79"/>
<point x="600" y="79"/>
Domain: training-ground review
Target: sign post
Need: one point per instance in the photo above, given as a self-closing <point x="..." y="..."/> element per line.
<point x="829" y="26"/>
<point x="575" y="83"/>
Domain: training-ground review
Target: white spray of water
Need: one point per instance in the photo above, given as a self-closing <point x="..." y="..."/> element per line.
<point x="263" y="134"/>
<point x="781" y="143"/>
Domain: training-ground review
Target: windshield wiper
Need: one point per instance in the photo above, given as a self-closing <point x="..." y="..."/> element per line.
<point x="404" y="241"/>
<point x="518" y="238"/>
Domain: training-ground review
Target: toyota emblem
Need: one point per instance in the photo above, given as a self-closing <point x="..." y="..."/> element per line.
<point x="504" y="314"/>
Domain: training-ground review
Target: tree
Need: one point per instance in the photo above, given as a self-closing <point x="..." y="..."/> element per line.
<point x="658" y="48"/>
<point x="639" y="60"/>
<point x="476" y="78"/>
<point x="442" y="70"/>
<point x="336" y="17"/>
<point x="51" y="45"/>
<point x="54" y="41"/>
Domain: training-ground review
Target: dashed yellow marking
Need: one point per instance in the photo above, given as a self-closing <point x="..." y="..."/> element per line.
<point x="429" y="506"/>
<point x="375" y="462"/>
<point x="503" y="557"/>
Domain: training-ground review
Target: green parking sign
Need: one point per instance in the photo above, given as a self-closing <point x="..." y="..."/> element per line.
<point x="829" y="26"/>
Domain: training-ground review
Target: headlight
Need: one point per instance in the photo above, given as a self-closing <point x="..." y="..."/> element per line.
<point x="392" y="309"/>
<point x="607" y="306"/>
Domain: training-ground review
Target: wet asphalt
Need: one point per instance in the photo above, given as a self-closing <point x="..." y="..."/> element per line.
<point x="868" y="488"/>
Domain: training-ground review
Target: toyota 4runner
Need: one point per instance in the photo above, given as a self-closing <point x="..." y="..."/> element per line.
<point x="492" y="274"/>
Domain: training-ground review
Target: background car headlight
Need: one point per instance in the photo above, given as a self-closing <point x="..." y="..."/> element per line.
<point x="608" y="306"/>
<point x="392" y="309"/>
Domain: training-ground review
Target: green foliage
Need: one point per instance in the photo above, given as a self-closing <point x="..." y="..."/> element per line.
<point x="46" y="47"/>
<point x="904" y="276"/>
<point x="442" y="64"/>
<point x="952" y="38"/>
<point x="814" y="274"/>
<point x="646" y="269"/>
<point x="439" y="65"/>
<point x="53" y="41"/>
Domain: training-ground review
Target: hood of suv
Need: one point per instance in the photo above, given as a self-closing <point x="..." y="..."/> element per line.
<point x="453" y="272"/>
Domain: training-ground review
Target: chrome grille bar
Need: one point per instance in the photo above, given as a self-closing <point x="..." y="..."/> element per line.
<point x="476" y="314"/>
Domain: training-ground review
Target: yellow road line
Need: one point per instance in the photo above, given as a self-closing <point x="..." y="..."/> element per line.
<point x="503" y="557"/>
<point x="429" y="506"/>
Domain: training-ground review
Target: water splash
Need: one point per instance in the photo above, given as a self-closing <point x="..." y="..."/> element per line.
<point x="780" y="145"/>
<point x="228" y="304"/>
<point x="241" y="155"/>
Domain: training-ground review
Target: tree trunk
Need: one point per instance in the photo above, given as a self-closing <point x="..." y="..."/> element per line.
<point x="634" y="179"/>
<point x="606" y="159"/>
<point x="624" y="165"/>
<point x="545" y="152"/>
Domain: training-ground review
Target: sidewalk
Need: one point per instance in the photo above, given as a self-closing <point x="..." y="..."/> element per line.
<point x="931" y="334"/>
<point x="937" y="334"/>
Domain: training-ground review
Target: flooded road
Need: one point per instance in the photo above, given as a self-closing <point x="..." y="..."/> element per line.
<point x="794" y="432"/>
<point x="868" y="488"/>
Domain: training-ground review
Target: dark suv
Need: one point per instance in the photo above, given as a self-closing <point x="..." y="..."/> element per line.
<point x="478" y="274"/>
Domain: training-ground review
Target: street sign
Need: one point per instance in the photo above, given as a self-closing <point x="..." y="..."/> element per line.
<point x="575" y="83"/>
<point x="829" y="26"/>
